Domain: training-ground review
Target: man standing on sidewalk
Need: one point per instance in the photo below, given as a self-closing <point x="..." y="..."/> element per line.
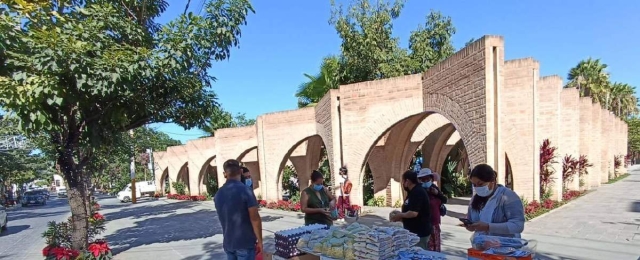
<point x="237" y="210"/>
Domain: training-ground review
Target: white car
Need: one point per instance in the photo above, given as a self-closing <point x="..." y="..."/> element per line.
<point x="62" y="193"/>
<point x="3" y="218"/>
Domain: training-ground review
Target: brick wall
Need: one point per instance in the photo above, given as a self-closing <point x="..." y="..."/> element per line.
<point x="518" y="124"/>
<point x="548" y="121"/>
<point x="596" y="147"/>
<point x="464" y="89"/>
<point x="278" y="135"/>
<point x="605" y="154"/>
<point x="570" y="131"/>
<point x="368" y="110"/>
<point x="498" y="109"/>
<point x="586" y="136"/>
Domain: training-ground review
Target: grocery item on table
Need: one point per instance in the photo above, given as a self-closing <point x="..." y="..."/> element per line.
<point x="357" y="241"/>
<point x="505" y="246"/>
<point x="286" y="241"/>
<point x="417" y="253"/>
<point x="393" y="213"/>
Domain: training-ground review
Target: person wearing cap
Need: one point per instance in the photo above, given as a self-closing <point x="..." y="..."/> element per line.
<point x="436" y="201"/>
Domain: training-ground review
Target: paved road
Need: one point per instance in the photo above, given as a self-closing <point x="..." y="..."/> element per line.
<point x="23" y="239"/>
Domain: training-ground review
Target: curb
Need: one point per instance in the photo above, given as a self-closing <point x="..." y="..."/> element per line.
<point x="589" y="193"/>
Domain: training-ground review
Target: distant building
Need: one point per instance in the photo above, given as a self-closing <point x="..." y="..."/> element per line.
<point x="58" y="182"/>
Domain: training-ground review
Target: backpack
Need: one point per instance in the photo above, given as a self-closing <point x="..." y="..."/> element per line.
<point x="443" y="210"/>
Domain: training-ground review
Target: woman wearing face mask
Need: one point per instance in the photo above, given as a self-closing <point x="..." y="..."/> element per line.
<point x="495" y="210"/>
<point x="315" y="202"/>
<point x="436" y="199"/>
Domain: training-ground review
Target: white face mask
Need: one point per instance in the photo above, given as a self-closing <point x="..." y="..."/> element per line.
<point x="344" y="176"/>
<point x="483" y="191"/>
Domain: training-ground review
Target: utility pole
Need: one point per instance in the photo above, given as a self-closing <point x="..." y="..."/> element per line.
<point x="150" y="165"/>
<point x="133" y="170"/>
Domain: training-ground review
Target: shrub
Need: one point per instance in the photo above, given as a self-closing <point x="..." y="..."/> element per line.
<point x="570" y="168"/>
<point x="180" y="187"/>
<point x="617" y="163"/>
<point x="547" y="158"/>
<point x="627" y="160"/>
<point x="58" y="239"/>
<point x="379" y="201"/>
<point x="534" y="208"/>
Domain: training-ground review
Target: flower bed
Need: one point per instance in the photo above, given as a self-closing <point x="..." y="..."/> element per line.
<point x="186" y="197"/>
<point x="534" y="208"/>
<point x="295" y="206"/>
<point x="58" y="237"/>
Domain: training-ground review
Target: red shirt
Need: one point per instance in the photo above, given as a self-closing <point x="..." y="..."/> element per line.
<point x="435" y="203"/>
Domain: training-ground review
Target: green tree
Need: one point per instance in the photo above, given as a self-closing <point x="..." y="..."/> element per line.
<point x="432" y="43"/>
<point x="369" y="51"/>
<point x="310" y="92"/>
<point x="634" y="136"/>
<point x="22" y="164"/>
<point x="221" y="118"/>
<point x="591" y="79"/>
<point x="84" y="72"/>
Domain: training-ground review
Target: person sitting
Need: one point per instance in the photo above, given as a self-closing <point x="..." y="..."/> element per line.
<point x="494" y="209"/>
<point x="315" y="202"/>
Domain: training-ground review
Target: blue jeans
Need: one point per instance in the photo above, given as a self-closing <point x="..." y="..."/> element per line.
<point x="241" y="254"/>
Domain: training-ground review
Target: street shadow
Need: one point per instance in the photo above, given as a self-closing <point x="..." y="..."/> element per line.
<point x="634" y="207"/>
<point x="137" y="211"/>
<point x="212" y="250"/>
<point x="14" y="230"/>
<point x="270" y="218"/>
<point x="18" y="215"/>
<point x="166" y="229"/>
<point x="549" y="256"/>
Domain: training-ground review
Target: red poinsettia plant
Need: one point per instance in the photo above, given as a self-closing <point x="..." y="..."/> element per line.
<point x="59" y="253"/>
<point x="98" y="250"/>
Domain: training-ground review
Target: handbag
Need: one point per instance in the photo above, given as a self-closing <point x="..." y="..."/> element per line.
<point x="443" y="210"/>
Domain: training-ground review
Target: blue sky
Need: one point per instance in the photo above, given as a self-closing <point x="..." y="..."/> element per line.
<point x="287" y="38"/>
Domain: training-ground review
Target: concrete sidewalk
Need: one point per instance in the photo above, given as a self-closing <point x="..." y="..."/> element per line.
<point x="159" y="230"/>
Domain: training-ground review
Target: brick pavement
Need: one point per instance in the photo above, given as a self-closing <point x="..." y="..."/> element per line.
<point x="610" y="213"/>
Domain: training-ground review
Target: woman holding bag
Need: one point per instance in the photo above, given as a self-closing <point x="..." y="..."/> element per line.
<point x="316" y="202"/>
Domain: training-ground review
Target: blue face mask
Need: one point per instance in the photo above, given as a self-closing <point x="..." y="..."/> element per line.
<point x="427" y="184"/>
<point x="318" y="187"/>
<point x="248" y="182"/>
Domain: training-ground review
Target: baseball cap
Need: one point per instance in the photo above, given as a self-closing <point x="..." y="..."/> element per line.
<point x="424" y="172"/>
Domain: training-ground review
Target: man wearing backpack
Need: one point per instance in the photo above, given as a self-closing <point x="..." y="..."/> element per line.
<point x="436" y="201"/>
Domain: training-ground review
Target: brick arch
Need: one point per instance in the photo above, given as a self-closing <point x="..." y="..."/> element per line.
<point x="433" y="103"/>
<point x="183" y="175"/>
<point x="508" y="171"/>
<point x="245" y="152"/>
<point x="203" y="172"/>
<point x="163" y="176"/>
<point x="314" y="144"/>
<point x="469" y="134"/>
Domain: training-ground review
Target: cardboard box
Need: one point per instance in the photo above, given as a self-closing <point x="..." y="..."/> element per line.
<point x="477" y="254"/>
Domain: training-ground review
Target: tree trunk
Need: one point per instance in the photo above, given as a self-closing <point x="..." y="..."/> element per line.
<point x="78" y="201"/>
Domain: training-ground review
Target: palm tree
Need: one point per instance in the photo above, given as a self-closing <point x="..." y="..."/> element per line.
<point x="623" y="100"/>
<point x="591" y="79"/>
<point x="310" y="92"/>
